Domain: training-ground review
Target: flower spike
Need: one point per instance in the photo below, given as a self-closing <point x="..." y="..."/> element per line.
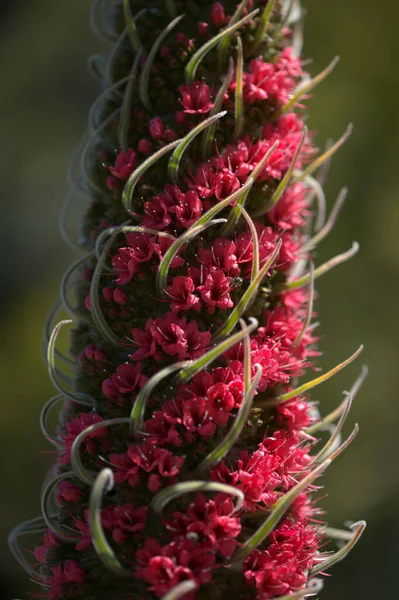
<point x="185" y="460"/>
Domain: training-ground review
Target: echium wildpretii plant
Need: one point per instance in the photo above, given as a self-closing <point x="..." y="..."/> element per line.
<point x="187" y="462"/>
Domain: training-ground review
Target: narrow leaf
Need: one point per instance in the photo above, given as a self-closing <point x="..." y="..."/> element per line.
<point x="96" y="107"/>
<point x="104" y="483"/>
<point x="196" y="59"/>
<point x="96" y="21"/>
<point x="209" y="133"/>
<point x="239" y="96"/>
<point x="317" y="191"/>
<point x="58" y="531"/>
<point x="32" y="527"/>
<point x="331" y="443"/>
<point x="111" y="231"/>
<point x="239" y="422"/>
<point x="255" y="243"/>
<point x="76" y="461"/>
<point x="309" y="310"/>
<point x="65" y="285"/>
<point x="131" y="27"/>
<point x="248" y="296"/>
<point x="180" y="590"/>
<point x="262" y="27"/>
<point x="183" y="239"/>
<point x="84" y="399"/>
<point x="63" y="220"/>
<point x="113" y="57"/>
<point x="171" y="8"/>
<point x="44" y="416"/>
<point x="174" y="161"/>
<point x="145" y="74"/>
<point x="302" y="389"/>
<point x="236" y="211"/>
<point x="225" y="43"/>
<point x="327" y="266"/>
<point x="321" y="159"/>
<point x="314" y="586"/>
<point x="308" y="86"/>
<point x="99" y="320"/>
<point x="282" y="186"/>
<point x="124" y="120"/>
<point x="87" y="150"/>
<point x="315" y="240"/>
<point x="358" y="529"/>
<point x="128" y="190"/>
<point x="171" y="492"/>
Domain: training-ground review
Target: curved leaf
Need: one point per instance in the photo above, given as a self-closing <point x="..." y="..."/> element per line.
<point x="171" y="492"/>
<point x="145" y="74"/>
<point x="76" y="461"/>
<point x="195" y="60"/>
<point x="58" y="531"/>
<point x="174" y="161"/>
<point x="138" y="410"/>
<point x="104" y="483"/>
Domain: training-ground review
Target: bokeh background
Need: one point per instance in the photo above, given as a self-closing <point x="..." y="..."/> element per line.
<point x="44" y="99"/>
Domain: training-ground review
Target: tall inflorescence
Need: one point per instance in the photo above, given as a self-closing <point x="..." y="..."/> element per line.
<point x="187" y="457"/>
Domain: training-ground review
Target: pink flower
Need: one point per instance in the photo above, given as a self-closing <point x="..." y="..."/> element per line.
<point x="196" y="98"/>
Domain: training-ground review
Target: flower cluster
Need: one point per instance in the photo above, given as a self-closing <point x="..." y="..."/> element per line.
<point x="193" y="329"/>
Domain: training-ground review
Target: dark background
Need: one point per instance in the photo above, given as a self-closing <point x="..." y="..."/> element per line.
<point x="44" y="99"/>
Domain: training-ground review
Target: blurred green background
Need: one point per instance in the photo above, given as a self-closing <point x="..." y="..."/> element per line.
<point x="45" y="96"/>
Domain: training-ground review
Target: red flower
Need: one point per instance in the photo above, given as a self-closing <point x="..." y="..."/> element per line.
<point x="126" y="379"/>
<point x="94" y="440"/>
<point x="215" y="291"/>
<point x="217" y="15"/>
<point x="189" y="209"/>
<point x="125" y="164"/>
<point x="196" y="98"/>
<point x="226" y="183"/>
<point x="220" y="403"/>
<point x="180" y="293"/>
<point x="169" y="334"/>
